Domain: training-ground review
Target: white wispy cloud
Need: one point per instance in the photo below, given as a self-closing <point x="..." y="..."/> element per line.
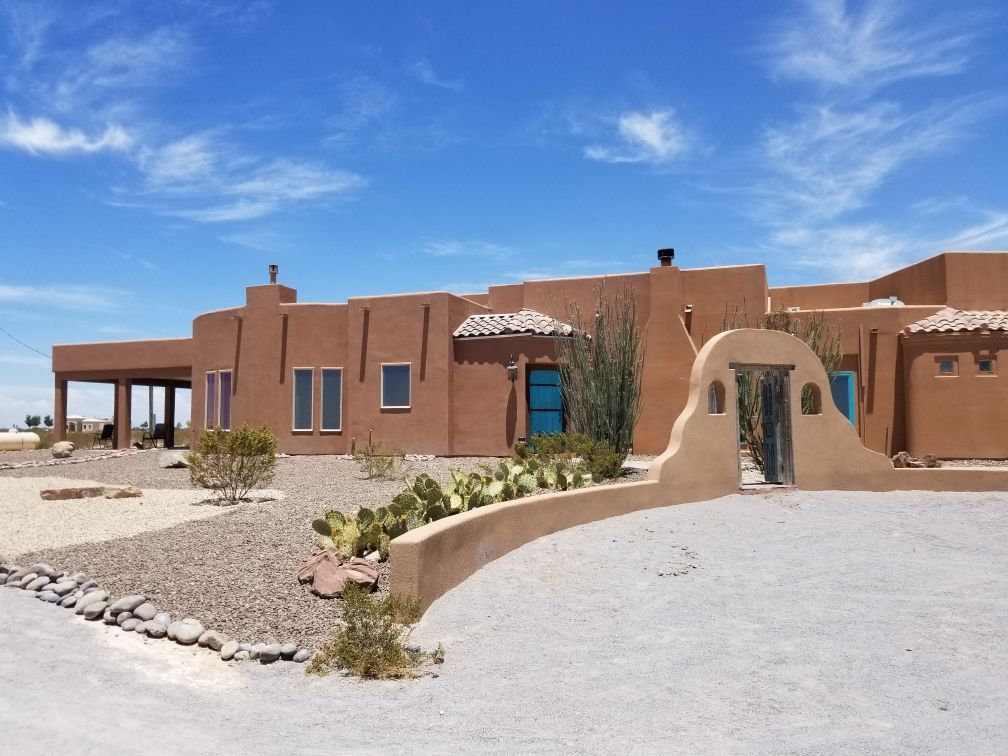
<point x="467" y="248"/>
<point x="24" y="360"/>
<point x="834" y="45"/>
<point x="423" y="71"/>
<point x="41" y="136"/>
<point x="68" y="297"/>
<point x="655" y="137"/>
<point x="990" y="233"/>
<point x="831" y="160"/>
<point x="364" y="104"/>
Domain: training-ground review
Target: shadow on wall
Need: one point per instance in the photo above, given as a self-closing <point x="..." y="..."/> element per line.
<point x="700" y="463"/>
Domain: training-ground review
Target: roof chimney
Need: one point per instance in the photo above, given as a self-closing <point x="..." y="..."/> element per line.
<point x="273" y="270"/>
<point x="666" y="256"/>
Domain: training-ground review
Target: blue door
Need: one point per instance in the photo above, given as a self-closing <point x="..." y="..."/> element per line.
<point x="545" y="401"/>
<point x="842" y="388"/>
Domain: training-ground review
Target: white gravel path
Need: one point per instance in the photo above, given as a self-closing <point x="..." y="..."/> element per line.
<point x="30" y="523"/>
<point x="787" y="623"/>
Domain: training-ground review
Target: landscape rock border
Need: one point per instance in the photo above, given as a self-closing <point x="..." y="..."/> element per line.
<point x="115" y="453"/>
<point x="133" y="613"/>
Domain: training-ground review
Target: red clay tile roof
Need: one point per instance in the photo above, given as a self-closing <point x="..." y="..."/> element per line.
<point x="525" y="322"/>
<point x="951" y="320"/>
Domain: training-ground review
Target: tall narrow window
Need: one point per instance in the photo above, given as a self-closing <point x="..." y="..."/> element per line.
<point x="225" y="399"/>
<point x="395" y="388"/>
<point x="332" y="399"/>
<point x="211" y="400"/>
<point x="303" y="399"/>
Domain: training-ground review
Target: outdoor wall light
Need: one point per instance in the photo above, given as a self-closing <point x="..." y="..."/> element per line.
<point x="512" y="370"/>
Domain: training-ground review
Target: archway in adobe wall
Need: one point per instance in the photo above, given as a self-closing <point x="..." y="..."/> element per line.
<point x="825" y="448"/>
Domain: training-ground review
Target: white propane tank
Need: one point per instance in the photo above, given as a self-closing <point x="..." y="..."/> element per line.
<point x="15" y="440"/>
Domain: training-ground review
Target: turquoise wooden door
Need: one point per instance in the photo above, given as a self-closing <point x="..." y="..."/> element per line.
<point x="842" y="388"/>
<point x="545" y="401"/>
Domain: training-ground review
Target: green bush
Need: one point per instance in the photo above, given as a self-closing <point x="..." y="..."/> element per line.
<point x="599" y="457"/>
<point x="234" y="462"/>
<point x="371" y="642"/>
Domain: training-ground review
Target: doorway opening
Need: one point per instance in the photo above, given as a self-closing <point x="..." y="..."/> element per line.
<point x="765" y="452"/>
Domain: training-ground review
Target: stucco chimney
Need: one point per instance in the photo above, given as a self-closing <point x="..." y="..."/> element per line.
<point x="666" y="256"/>
<point x="273" y="270"/>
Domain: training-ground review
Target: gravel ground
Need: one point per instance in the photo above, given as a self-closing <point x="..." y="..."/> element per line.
<point x="806" y="622"/>
<point x="235" y="572"/>
<point x="31" y="524"/>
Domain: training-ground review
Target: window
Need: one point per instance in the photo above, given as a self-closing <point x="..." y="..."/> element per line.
<point x="303" y="410"/>
<point x="332" y="399"/>
<point x="985" y="366"/>
<point x="716" y="398"/>
<point x="947" y="366"/>
<point x="224" y="380"/>
<point x="211" y="400"/>
<point x="395" y="386"/>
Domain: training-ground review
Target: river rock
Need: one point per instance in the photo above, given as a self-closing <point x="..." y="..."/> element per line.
<point x="186" y="631"/>
<point x="302" y="656"/>
<point x="241" y="655"/>
<point x="49" y="597"/>
<point x="26" y="579"/>
<point x="123" y="617"/>
<point x="155" y="629"/>
<point x="109" y="618"/>
<point x="62" y="449"/>
<point x="79" y="577"/>
<point x="88" y="584"/>
<point x="140" y="628"/>
<point x="99" y="597"/>
<point x="38" y="583"/>
<point x="63" y="588"/>
<point x="12" y="579"/>
<point x="43" y="568"/>
<point x="213" y="639"/>
<point x="68" y="602"/>
<point x="245" y="646"/>
<point x="228" y="650"/>
<point x="129" y="624"/>
<point x="270" y="653"/>
<point x="94" y="610"/>
<point x="126" y="603"/>
<point x="76" y="492"/>
<point x="164" y="618"/>
<point x="173" y="459"/>
<point x="146" y="611"/>
<point x="256" y="650"/>
<point x="287" y="650"/>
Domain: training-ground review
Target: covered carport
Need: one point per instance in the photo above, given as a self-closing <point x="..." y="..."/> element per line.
<point x="165" y="363"/>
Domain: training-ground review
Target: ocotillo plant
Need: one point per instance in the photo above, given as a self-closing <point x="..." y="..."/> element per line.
<point x="600" y="369"/>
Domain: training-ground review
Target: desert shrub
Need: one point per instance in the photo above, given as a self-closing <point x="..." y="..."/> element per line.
<point x="234" y="462"/>
<point x="372" y="638"/>
<point x="376" y="462"/>
<point x="599" y="457"/>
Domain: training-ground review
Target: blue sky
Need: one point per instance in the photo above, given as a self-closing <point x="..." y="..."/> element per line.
<point x="154" y="160"/>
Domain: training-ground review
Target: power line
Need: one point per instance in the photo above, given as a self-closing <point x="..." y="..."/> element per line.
<point x="26" y="346"/>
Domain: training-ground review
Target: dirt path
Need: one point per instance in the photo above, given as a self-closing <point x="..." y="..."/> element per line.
<point x="811" y="622"/>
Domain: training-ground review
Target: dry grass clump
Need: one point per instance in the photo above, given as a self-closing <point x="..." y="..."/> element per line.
<point x="372" y="641"/>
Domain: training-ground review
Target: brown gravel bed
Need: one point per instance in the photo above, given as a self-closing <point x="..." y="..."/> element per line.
<point x="237" y="572"/>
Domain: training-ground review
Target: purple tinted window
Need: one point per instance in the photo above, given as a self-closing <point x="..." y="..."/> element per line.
<point x="225" y="400"/>
<point x="211" y="400"/>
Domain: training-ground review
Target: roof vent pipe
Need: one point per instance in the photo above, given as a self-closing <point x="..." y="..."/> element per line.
<point x="273" y="270"/>
<point x="666" y="256"/>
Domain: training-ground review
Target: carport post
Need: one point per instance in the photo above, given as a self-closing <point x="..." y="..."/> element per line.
<point x="169" y="416"/>
<point x="60" y="410"/>
<point x="123" y="416"/>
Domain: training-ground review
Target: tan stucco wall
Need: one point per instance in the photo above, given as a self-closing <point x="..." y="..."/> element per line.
<point x="700" y="463"/>
<point x="965" y="415"/>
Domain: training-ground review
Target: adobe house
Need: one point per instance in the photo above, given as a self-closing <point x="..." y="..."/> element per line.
<point x="472" y="374"/>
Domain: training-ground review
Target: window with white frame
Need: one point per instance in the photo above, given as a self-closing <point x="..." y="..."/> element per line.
<point x="303" y="408"/>
<point x="332" y="399"/>
<point x="211" y="400"/>
<point x="224" y="401"/>
<point x="395" y="385"/>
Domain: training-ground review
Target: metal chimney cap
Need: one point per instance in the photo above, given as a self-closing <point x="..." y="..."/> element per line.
<point x="666" y="255"/>
<point x="273" y="270"/>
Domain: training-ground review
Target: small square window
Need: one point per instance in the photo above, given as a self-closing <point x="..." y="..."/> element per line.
<point x="947" y="366"/>
<point x="985" y="366"/>
<point x="395" y="388"/>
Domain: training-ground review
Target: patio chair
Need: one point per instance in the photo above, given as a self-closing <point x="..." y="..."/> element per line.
<point x="107" y="434"/>
<point x="157" y="435"/>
